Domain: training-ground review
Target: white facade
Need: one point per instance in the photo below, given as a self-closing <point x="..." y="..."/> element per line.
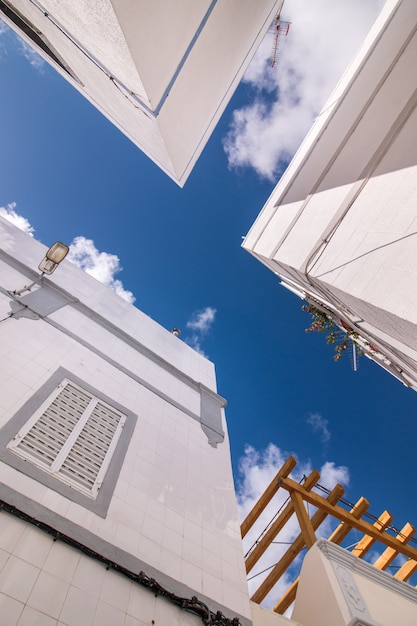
<point x="338" y="589"/>
<point x="166" y="503"/>
<point x="340" y="227"/>
<point x="162" y="72"/>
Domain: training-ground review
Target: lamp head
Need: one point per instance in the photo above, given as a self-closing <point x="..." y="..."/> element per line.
<point x="56" y="253"/>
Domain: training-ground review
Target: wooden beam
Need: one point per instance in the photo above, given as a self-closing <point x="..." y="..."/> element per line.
<point x="406" y="570"/>
<point x="303" y="519"/>
<point x="345" y="516"/>
<point x="362" y="547"/>
<point x="344" y="529"/>
<point x="389" y="554"/>
<point x="336" y="537"/>
<point x="267" y="495"/>
<point x="277" y="525"/>
<point x="287" y="599"/>
<point x="295" y="548"/>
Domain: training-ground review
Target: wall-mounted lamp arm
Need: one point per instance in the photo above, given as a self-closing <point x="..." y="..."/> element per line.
<point x="56" y="253"/>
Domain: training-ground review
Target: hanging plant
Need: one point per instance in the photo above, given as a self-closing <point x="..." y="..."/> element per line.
<point x="323" y="323"/>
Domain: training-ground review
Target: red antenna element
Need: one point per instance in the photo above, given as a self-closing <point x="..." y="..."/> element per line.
<point x="280" y="29"/>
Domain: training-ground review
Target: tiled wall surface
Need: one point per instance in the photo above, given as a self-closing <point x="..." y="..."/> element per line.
<point x="47" y="583"/>
<point x="173" y="506"/>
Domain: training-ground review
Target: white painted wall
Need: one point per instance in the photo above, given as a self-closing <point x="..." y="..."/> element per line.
<point x="266" y="617"/>
<point x="173" y="508"/>
<point x="338" y="589"/>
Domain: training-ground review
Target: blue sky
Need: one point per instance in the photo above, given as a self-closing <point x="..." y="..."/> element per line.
<point x="71" y="174"/>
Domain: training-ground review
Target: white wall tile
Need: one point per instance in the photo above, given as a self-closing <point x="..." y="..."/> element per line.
<point x="62" y="561"/>
<point x="32" y="617"/>
<point x="48" y="594"/>
<point x="11" y="530"/>
<point x="79" y="608"/>
<point x="89" y="576"/>
<point x="132" y="621"/>
<point x="153" y="529"/>
<point x="116" y="590"/>
<point x="10" y="610"/>
<point x="149" y="551"/>
<point x="170" y="564"/>
<point x="212" y="586"/>
<point x="33" y="546"/>
<point x="108" y="615"/>
<point x="17" y="578"/>
<point x="172" y="541"/>
<point x="3" y="558"/>
<point x="142" y="604"/>
<point x="191" y="575"/>
<point x="192" y="552"/>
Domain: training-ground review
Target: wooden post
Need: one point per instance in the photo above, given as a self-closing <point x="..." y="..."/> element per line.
<point x="277" y="525"/>
<point x="268" y="494"/>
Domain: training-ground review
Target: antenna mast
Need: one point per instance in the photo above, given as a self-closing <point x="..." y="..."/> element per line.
<point x="280" y="29"/>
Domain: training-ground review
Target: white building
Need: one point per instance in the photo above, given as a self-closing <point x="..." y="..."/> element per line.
<point x="162" y="72"/>
<point x="338" y="589"/>
<point x="114" y="459"/>
<point x="340" y="227"/>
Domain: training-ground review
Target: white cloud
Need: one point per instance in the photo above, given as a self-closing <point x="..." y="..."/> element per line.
<point x="83" y="253"/>
<point x="256" y="470"/>
<point x="24" y="48"/>
<point x="101" y="265"/>
<point x="200" y="323"/>
<point x="36" y="61"/>
<point x="9" y="213"/>
<point x="3" y="27"/>
<point x="322" y="39"/>
<point x="332" y="474"/>
<point x="319" y="425"/>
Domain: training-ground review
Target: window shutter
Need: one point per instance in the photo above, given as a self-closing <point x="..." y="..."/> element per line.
<point x="72" y="437"/>
<point x="86" y="457"/>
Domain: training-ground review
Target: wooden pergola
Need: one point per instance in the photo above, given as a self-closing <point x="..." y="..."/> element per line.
<point x="299" y="496"/>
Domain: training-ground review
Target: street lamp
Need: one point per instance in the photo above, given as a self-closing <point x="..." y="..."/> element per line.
<point x="56" y="253"/>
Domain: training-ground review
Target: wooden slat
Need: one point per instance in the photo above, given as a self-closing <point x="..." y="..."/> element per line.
<point x="296" y="547"/>
<point x="344" y="529"/>
<point x="266" y="497"/>
<point x="304" y="520"/>
<point x="288" y="598"/>
<point x="362" y="547"/>
<point x="336" y="537"/>
<point x="407" y="570"/>
<point x="389" y="554"/>
<point x="277" y="525"/>
<point x="345" y="516"/>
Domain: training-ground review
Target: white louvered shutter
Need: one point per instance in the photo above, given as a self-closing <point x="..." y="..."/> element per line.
<point x="72" y="436"/>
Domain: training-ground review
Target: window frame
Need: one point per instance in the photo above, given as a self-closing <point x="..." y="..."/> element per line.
<point x="29" y="414"/>
<point x="71" y="440"/>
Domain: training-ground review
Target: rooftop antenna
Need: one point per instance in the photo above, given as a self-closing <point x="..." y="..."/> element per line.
<point x="280" y="29"/>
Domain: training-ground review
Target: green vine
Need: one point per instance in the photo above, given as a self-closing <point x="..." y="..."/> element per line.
<point x="322" y="323"/>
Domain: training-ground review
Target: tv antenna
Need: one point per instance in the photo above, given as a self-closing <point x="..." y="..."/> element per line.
<point x="280" y="29"/>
